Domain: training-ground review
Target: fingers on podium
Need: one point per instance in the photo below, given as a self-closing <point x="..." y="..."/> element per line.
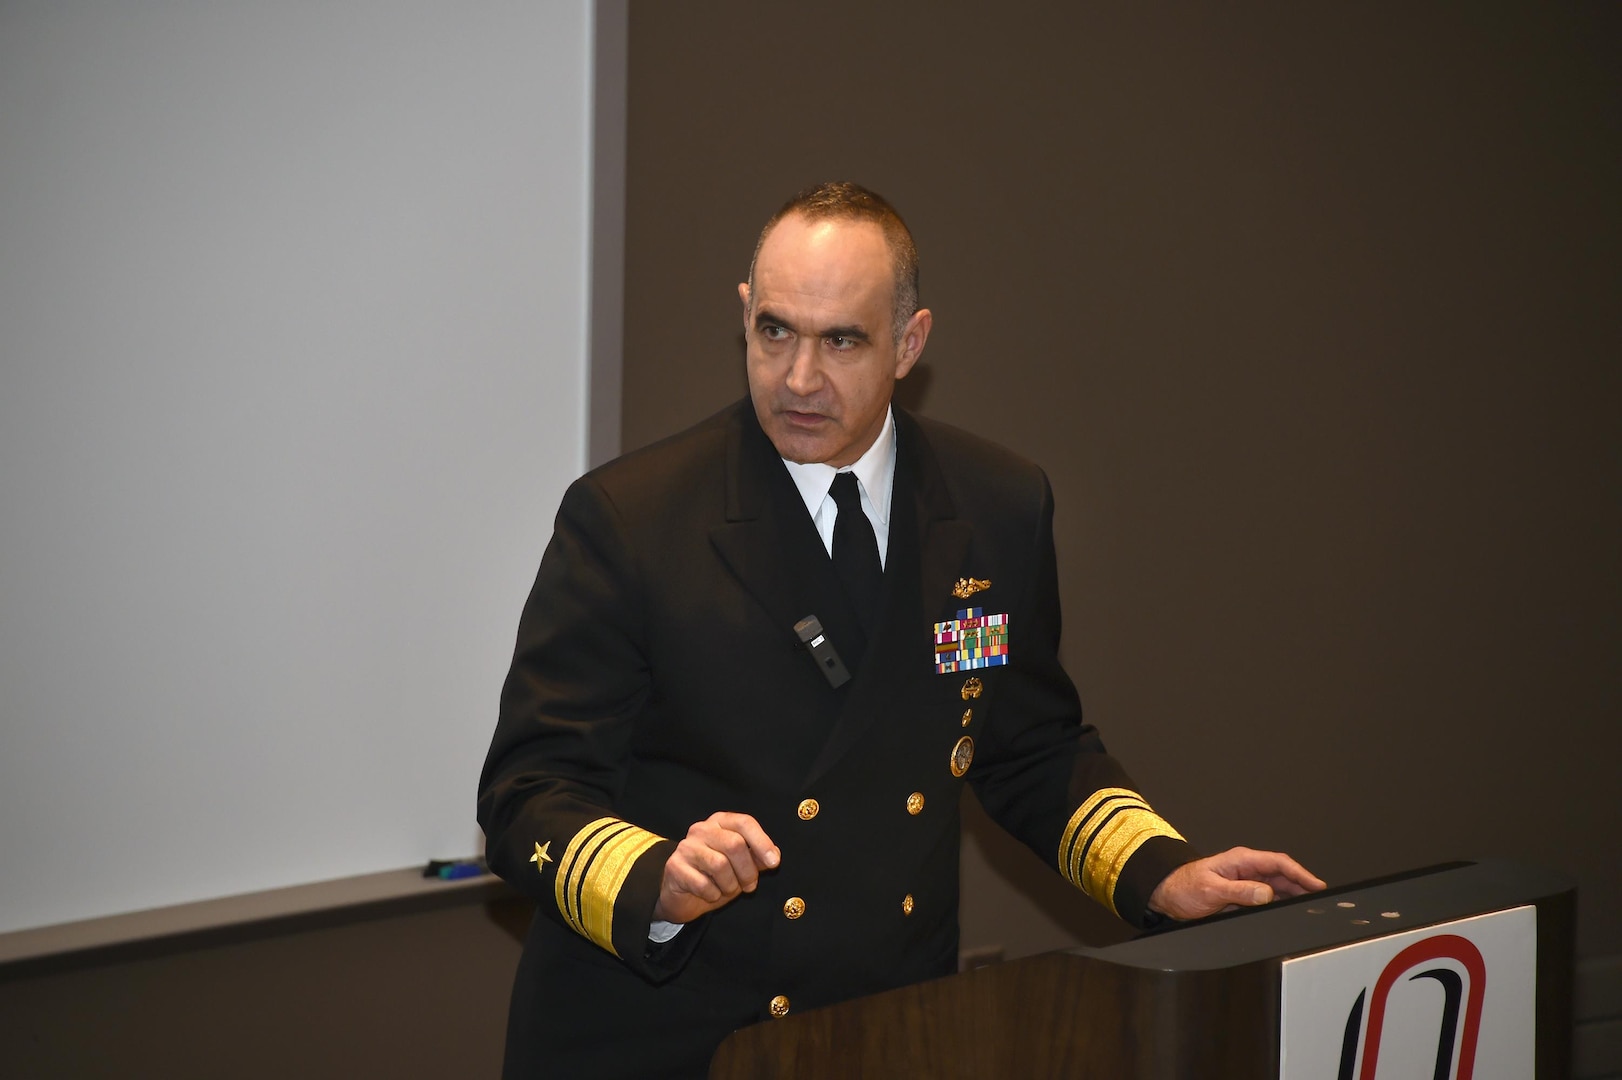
<point x="1283" y="874"/>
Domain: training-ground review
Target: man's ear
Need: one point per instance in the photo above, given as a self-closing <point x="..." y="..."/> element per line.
<point x="743" y="294"/>
<point x="912" y="341"/>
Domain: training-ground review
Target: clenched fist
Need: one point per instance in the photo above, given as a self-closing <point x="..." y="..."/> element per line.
<point x="721" y="857"/>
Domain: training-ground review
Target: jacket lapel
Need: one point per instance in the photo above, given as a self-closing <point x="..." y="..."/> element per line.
<point x="926" y="549"/>
<point x="771" y="545"/>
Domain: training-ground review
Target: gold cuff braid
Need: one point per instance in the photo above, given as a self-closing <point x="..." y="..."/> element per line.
<point x="1102" y="835"/>
<point x="592" y="872"/>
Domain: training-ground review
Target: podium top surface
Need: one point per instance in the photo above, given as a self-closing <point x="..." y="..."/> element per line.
<point x="1337" y="917"/>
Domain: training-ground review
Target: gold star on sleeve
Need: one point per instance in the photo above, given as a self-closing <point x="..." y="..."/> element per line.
<point x="541" y="858"/>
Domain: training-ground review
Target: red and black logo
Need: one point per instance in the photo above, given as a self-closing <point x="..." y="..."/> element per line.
<point x="1466" y="967"/>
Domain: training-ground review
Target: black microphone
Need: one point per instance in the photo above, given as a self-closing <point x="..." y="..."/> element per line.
<point x="809" y="631"/>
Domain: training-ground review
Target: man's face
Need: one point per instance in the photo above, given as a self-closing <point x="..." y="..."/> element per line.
<point x="821" y="355"/>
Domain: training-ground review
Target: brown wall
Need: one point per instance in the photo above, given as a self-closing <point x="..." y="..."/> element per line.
<point x="1312" y="318"/>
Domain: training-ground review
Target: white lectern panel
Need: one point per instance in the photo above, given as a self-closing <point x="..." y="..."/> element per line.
<point x="1454" y="1001"/>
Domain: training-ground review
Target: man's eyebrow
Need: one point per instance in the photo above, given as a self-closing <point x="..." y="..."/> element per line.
<point x="766" y="317"/>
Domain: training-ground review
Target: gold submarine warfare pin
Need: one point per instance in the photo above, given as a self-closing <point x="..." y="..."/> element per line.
<point x="968" y="586"/>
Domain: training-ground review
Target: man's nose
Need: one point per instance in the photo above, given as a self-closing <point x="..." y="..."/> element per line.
<point x="804" y="372"/>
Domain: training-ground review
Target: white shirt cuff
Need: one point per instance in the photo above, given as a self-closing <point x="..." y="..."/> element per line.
<point x="661" y="932"/>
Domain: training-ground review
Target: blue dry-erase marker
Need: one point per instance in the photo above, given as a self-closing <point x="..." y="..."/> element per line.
<point x="460" y="870"/>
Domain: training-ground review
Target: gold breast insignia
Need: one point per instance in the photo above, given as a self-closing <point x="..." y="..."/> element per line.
<point x="968" y="586"/>
<point x="541" y="858"/>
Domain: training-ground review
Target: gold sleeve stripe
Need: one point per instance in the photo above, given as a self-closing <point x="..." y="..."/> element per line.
<point x="1102" y="835"/>
<point x="565" y="885"/>
<point x="592" y="872"/>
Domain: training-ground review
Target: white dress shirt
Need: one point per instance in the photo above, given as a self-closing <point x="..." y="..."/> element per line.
<point x="875" y="479"/>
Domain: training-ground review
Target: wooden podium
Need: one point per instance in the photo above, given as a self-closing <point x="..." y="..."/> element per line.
<point x="1201" y="1000"/>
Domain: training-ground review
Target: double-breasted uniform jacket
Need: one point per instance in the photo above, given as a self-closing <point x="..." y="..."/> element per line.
<point x="657" y="679"/>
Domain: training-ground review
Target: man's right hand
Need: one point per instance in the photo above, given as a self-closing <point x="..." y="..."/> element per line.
<point x="721" y="857"/>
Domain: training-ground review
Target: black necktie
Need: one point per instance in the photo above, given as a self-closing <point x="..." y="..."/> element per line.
<point x="856" y="550"/>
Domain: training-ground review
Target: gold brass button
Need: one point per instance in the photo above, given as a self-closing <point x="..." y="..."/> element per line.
<point x="794" y="907"/>
<point x="906" y="904"/>
<point x="808" y="809"/>
<point x="968" y="714"/>
<point x="779" y="1006"/>
<point x="915" y="803"/>
<point x="962" y="754"/>
<point x="971" y="689"/>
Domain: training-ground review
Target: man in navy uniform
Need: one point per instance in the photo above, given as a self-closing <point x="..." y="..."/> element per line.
<point x="758" y="661"/>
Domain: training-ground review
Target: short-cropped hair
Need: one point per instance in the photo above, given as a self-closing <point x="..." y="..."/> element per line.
<point x="843" y="199"/>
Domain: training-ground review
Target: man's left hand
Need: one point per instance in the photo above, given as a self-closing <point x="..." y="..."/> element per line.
<point x="1239" y="877"/>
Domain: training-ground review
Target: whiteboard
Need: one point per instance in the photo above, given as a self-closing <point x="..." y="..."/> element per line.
<point x="293" y="309"/>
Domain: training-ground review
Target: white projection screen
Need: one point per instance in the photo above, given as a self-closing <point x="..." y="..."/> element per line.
<point x="293" y="338"/>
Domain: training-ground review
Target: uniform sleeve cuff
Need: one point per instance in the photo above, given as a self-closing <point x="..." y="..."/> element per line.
<point x="603" y="876"/>
<point x="1144" y="871"/>
<point x="634" y="941"/>
<point x="1105" y="836"/>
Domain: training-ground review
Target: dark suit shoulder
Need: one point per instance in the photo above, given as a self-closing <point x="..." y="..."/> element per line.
<point x="686" y="469"/>
<point x="980" y="475"/>
<point x="955" y="444"/>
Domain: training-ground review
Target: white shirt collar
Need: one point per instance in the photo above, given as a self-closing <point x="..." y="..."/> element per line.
<point x="875" y="472"/>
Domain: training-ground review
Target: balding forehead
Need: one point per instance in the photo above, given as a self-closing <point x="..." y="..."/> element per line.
<point x="901" y="258"/>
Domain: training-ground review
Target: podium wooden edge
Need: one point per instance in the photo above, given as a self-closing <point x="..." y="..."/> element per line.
<point x="976" y="1024"/>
